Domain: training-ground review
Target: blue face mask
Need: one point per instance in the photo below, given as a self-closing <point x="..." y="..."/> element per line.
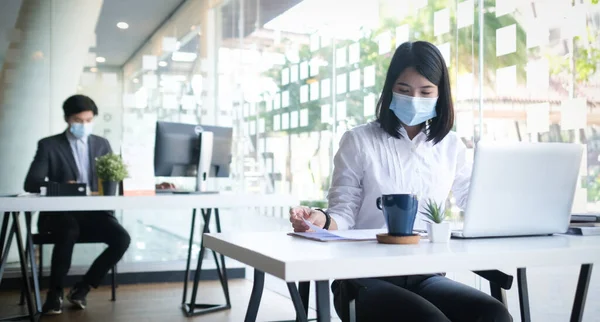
<point x="413" y="111"/>
<point x="81" y="130"/>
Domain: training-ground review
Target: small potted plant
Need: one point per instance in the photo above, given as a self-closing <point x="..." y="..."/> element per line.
<point x="111" y="170"/>
<point x="437" y="230"/>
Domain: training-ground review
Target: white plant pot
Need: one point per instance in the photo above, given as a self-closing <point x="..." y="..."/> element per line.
<point x="438" y="233"/>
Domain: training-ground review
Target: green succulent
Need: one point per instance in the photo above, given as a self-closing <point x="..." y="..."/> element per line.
<point x="435" y="213"/>
<point x="110" y="167"/>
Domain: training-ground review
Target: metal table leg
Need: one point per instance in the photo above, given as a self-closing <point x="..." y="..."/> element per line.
<point x="192" y="308"/>
<point x="31" y="254"/>
<point x="298" y="303"/>
<point x="15" y="231"/>
<point x="585" y="273"/>
<point x="523" y="294"/>
<point x="323" y="309"/>
<point x="255" y="296"/>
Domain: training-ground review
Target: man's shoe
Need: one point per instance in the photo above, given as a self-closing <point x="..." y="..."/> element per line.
<point x="77" y="295"/>
<point x="53" y="304"/>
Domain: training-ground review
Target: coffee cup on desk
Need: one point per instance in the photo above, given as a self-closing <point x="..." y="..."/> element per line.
<point x="400" y="212"/>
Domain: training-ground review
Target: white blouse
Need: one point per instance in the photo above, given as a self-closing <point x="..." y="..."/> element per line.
<point x="370" y="163"/>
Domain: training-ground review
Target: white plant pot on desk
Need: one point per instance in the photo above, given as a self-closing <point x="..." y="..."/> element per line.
<point x="438" y="233"/>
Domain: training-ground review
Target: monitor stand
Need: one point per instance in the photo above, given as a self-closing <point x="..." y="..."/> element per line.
<point x="204" y="162"/>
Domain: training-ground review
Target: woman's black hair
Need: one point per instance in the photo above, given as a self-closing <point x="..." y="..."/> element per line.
<point x="427" y="60"/>
<point x="77" y="104"/>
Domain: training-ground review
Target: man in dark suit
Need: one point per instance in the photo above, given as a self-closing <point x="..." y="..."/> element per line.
<point x="67" y="158"/>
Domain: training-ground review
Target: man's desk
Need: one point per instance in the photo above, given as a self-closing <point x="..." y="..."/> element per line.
<point x="294" y="259"/>
<point x="209" y="204"/>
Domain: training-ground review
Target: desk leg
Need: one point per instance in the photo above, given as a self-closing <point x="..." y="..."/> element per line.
<point x="297" y="301"/>
<point x="3" y="232"/>
<point x="304" y="288"/>
<point x="192" y="308"/>
<point x="5" y="243"/>
<point x="581" y="293"/>
<point x="31" y="254"/>
<point x="186" y="277"/>
<point x="255" y="296"/>
<point x="24" y="268"/>
<point x="523" y="295"/>
<point x="323" y="310"/>
<point x="223" y="276"/>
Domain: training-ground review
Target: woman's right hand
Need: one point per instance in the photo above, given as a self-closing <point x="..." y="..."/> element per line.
<point x="298" y="214"/>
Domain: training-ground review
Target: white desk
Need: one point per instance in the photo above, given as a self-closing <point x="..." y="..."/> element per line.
<point x="206" y="202"/>
<point x="296" y="259"/>
<point x="160" y="201"/>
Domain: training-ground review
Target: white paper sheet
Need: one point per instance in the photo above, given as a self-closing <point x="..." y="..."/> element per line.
<point x="325" y="88"/>
<point x="294" y="73"/>
<point x="314" y="91"/>
<point x="285" y="99"/>
<point x="573" y="114"/>
<point x="320" y="234"/>
<point x="506" y="40"/>
<point x="369" y="104"/>
<point x="385" y="43"/>
<point x="277" y="101"/>
<point x="303" y="93"/>
<point x="304" y="70"/>
<point x="169" y="44"/>
<point x="538" y="75"/>
<point x="285" y="121"/>
<point x="445" y="50"/>
<point x="505" y="7"/>
<point x="441" y="22"/>
<point x="303" y="117"/>
<point x="342" y="84"/>
<point x="402" y="35"/>
<point x="149" y="62"/>
<point x="276" y="122"/>
<point x="465" y="13"/>
<point x="294" y="118"/>
<point x="538" y="118"/>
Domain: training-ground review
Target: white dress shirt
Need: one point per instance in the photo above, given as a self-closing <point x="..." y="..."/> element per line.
<point x="80" y="150"/>
<point x="370" y="163"/>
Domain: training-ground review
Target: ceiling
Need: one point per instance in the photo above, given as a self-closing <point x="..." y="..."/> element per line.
<point x="144" y="18"/>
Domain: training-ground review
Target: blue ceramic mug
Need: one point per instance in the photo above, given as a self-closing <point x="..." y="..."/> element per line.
<point x="400" y="212"/>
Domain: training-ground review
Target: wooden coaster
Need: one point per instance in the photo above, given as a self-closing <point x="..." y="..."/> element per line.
<point x="400" y="240"/>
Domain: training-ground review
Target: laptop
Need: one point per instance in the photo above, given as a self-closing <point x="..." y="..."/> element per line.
<point x="521" y="189"/>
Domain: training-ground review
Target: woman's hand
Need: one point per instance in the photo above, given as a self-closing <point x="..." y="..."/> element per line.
<point x="298" y="214"/>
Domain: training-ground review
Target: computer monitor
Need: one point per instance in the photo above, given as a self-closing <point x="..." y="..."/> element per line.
<point x="177" y="149"/>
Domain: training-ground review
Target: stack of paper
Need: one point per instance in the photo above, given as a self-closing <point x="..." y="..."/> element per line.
<point x="323" y="235"/>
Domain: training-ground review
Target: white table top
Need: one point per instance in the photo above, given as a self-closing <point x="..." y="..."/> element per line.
<point x="298" y="259"/>
<point x="159" y="201"/>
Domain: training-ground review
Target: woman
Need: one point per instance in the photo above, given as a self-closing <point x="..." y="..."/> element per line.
<point x="408" y="149"/>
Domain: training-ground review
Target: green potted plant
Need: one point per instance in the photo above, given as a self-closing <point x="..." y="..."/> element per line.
<point x="111" y="170"/>
<point x="438" y="230"/>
